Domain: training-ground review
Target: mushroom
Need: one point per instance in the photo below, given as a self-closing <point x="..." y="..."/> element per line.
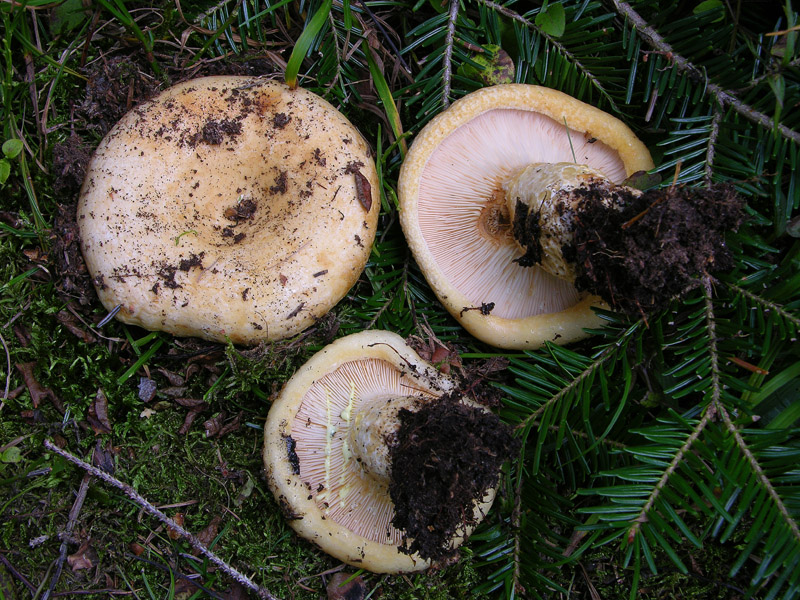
<point x="228" y="208"/>
<point x="347" y="473"/>
<point x="496" y="152"/>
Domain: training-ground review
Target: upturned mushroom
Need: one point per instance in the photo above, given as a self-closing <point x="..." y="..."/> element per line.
<point x="473" y="188"/>
<point x="374" y="456"/>
<point x="228" y="208"/>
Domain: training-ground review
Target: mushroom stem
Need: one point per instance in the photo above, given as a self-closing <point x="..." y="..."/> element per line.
<point x="542" y="201"/>
<point x="375" y="430"/>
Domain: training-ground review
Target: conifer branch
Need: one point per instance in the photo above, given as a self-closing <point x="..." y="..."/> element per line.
<point x="762" y="477"/>
<point x="711" y="327"/>
<point x="723" y="97"/>
<point x="338" y="74"/>
<point x="712" y="146"/>
<point x="606" y="354"/>
<point x="779" y="310"/>
<point x="449" y="41"/>
<point x="517" y="529"/>
<point x="708" y="414"/>
<point x="152" y="510"/>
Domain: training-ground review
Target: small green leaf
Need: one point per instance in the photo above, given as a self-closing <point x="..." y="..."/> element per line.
<point x="642" y="180"/>
<point x="5" y="170"/>
<point x="11" y="455"/>
<point x="498" y="66"/>
<point x="67" y="16"/>
<point x="12" y="148"/>
<point x="708" y="5"/>
<point x="552" y="20"/>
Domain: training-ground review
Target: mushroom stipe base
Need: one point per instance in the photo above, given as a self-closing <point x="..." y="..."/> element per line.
<point x="446" y="455"/>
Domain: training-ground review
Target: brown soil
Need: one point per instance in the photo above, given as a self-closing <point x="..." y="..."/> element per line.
<point x="639" y="251"/>
<point x="656" y="247"/>
<point x="447" y="456"/>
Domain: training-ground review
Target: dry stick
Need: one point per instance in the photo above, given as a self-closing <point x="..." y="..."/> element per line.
<point x="724" y="97"/>
<point x="66" y="537"/>
<point x="448" y="52"/>
<point x="149" y="508"/>
<point x="8" y="373"/>
<point x="17" y="574"/>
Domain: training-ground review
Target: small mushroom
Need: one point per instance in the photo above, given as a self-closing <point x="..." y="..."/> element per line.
<point x="347" y="473"/>
<point x="228" y="208"/>
<point x="467" y="186"/>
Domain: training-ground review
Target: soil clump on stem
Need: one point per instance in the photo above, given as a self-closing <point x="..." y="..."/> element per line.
<point x="642" y="251"/>
<point x="447" y="456"/>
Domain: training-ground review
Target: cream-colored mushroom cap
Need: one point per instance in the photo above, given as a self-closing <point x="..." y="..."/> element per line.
<point x="453" y="207"/>
<point x="325" y="445"/>
<point x="228" y="208"/>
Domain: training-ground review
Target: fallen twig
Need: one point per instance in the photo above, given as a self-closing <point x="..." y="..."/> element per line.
<point x="67" y="535"/>
<point x="149" y="508"/>
<point x="723" y="96"/>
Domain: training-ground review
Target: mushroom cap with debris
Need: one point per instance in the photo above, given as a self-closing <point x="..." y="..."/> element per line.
<point x="453" y="207"/>
<point x="228" y="208"/>
<point x="327" y="445"/>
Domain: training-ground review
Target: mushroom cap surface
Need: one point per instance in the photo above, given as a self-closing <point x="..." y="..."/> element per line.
<point x="455" y="171"/>
<point x="312" y="465"/>
<point x="228" y="208"/>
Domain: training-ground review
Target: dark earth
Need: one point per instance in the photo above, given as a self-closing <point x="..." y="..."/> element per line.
<point x="448" y="454"/>
<point x="638" y="252"/>
<point x="657" y="247"/>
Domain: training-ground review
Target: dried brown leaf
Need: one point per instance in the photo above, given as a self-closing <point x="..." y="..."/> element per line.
<point x="210" y="532"/>
<point x="174" y="379"/>
<point x="173" y="533"/>
<point x="193" y="403"/>
<point x="35" y="389"/>
<point x="103" y="457"/>
<point x="174" y="391"/>
<point x="232" y="425"/>
<point x="84" y="558"/>
<point x="98" y="414"/>
<point x="236" y="592"/>
<point x="214" y="425"/>
<point x="187" y="422"/>
<point x="71" y="324"/>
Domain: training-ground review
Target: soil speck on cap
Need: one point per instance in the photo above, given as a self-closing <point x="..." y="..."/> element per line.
<point x="294" y="460"/>
<point x="280" y="120"/>
<point x="447" y="455"/>
<point x="214" y="132"/>
<point x="194" y="260"/>
<point x="280" y="184"/>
